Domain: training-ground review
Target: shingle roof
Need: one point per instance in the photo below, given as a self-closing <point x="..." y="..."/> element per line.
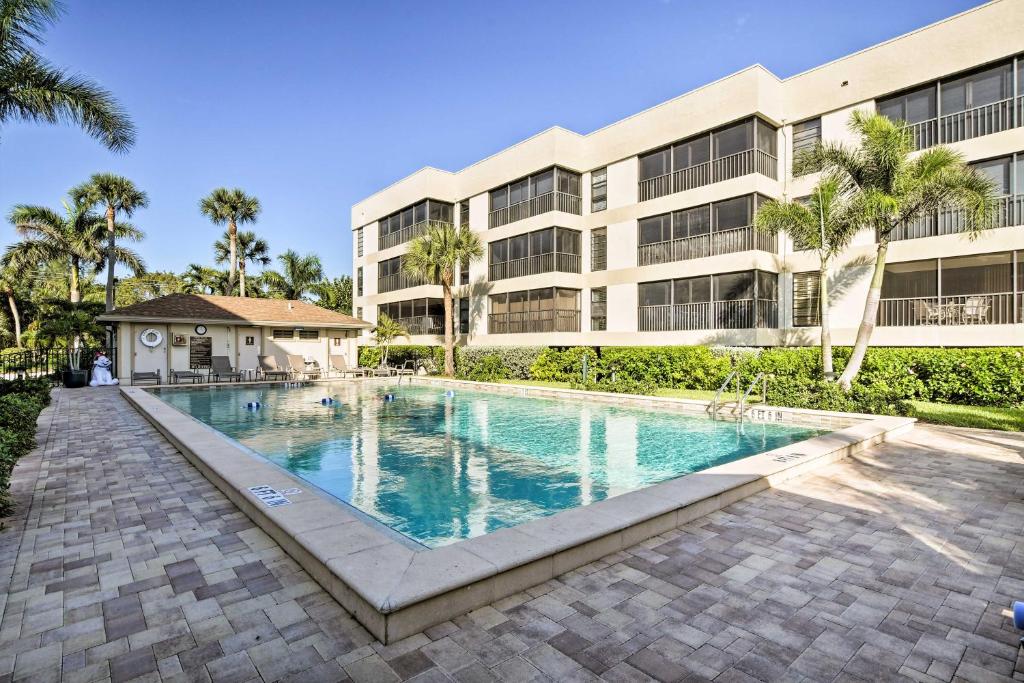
<point x="207" y="307"/>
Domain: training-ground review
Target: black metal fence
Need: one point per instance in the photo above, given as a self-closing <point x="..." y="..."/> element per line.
<point x="50" y="362"/>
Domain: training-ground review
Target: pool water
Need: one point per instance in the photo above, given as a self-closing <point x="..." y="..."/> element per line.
<point x="440" y="468"/>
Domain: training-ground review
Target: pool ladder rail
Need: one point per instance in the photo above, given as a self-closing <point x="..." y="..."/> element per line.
<point x="739" y="406"/>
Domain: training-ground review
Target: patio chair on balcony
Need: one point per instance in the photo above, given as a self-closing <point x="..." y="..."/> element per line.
<point x="299" y="369"/>
<point x="220" y="369"/>
<point x="339" y="365"/>
<point x="927" y="313"/>
<point x="976" y="310"/>
<point x="270" y="370"/>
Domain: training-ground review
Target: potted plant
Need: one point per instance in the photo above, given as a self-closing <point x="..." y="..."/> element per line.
<point x="67" y="324"/>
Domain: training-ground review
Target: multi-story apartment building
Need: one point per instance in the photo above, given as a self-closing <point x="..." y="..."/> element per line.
<point x="641" y="232"/>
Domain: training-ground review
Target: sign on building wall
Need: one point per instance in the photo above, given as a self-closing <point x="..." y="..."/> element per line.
<point x="200" y="349"/>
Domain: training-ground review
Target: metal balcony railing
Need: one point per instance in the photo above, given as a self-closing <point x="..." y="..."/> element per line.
<point x="533" y="265"/>
<point x="423" y="324"/>
<point x="710" y="315"/>
<point x="393" y="239"/>
<point x="552" y="201"/>
<point x="1001" y="308"/>
<point x="697" y="246"/>
<point x="534" y="321"/>
<point x="716" y="170"/>
<point x="1009" y="211"/>
<point x="390" y="283"/>
<point x="967" y="124"/>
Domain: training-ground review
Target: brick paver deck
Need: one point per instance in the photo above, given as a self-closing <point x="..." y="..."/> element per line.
<point x="125" y="563"/>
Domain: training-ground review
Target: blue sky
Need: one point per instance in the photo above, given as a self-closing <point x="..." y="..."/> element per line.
<point x="312" y="106"/>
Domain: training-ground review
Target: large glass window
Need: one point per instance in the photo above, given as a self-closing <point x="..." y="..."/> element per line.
<point x="521" y="254"/>
<point x="733" y="213"/>
<point x="550" y="309"/>
<point x="655" y="164"/>
<point x="692" y="222"/>
<point x="726" y="301"/>
<point x="599" y="190"/>
<point x="736" y="138"/>
<point x="691" y="152"/>
<point x="691" y="290"/>
<point x="401" y="226"/>
<point x="998" y="171"/>
<point x="913" y="106"/>
<point x="656" y="229"/>
<point x="978" y="89"/>
<point x="806" y="135"/>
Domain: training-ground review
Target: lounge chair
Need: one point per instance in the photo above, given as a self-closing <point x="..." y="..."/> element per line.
<point x="340" y="365"/>
<point x="406" y="368"/>
<point x="177" y="376"/>
<point x="220" y="368"/>
<point x="270" y="370"/>
<point x="297" y="365"/>
<point x="144" y="377"/>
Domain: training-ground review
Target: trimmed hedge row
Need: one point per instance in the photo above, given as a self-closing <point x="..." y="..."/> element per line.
<point x="888" y="377"/>
<point x="21" y="401"/>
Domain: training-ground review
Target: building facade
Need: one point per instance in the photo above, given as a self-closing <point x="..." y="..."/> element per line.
<point x="640" y="233"/>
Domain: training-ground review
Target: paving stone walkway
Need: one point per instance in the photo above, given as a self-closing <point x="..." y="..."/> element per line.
<point x="124" y="563"/>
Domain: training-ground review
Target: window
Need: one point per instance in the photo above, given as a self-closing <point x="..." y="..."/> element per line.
<point x="599" y="309"/>
<point x="309" y="335"/>
<point x="720" y="228"/>
<point x="914" y="106"/>
<point x="418" y="316"/>
<point x="540" y="251"/>
<point x="806" y="135"/>
<point x="740" y="300"/>
<point x="551" y="309"/>
<point x="806" y="299"/>
<point x="554" y="189"/>
<point x="599" y="190"/>
<point x="598" y="249"/>
<point x="464" y="315"/>
<point x="411" y="221"/>
<point x="978" y="89"/>
<point x="359" y="312"/>
<point x="250" y="341"/>
<point x="464" y="272"/>
<point x="283" y="334"/>
<point x="359" y="281"/>
<point x="359" y="242"/>
<point x="336" y="341"/>
<point x="996" y="170"/>
<point x="464" y="213"/>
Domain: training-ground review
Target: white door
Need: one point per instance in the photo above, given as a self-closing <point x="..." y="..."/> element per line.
<point x="150" y="358"/>
<point x="249" y="348"/>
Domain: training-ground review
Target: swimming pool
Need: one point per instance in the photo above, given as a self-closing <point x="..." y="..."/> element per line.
<point x="439" y="469"/>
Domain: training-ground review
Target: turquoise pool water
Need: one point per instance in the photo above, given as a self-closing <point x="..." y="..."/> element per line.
<point x="439" y="469"/>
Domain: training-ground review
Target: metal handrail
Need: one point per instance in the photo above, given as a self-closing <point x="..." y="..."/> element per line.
<point x="713" y="406"/>
<point x="763" y="378"/>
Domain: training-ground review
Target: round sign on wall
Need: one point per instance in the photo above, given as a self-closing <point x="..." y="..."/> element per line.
<point x="200" y="329"/>
<point x="151" y="337"/>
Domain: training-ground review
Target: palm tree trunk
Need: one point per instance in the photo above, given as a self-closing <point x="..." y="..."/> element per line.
<point x="449" y="336"/>
<point x="110" y="258"/>
<point x="233" y="250"/>
<point x="76" y="289"/>
<point x="867" y="323"/>
<point x="241" y="279"/>
<point x="826" y="324"/>
<point x="16" y="316"/>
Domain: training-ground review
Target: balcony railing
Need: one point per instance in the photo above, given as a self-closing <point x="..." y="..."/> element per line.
<point x="1002" y="308"/>
<point x="710" y="315"/>
<point x="393" y="239"/>
<point x="697" y="246"/>
<point x="967" y="124"/>
<point x="534" y="321"/>
<point x="552" y="201"/>
<point x="533" y="265"/>
<point x="390" y="283"/>
<point x="423" y="324"/>
<point x="1009" y="211"/>
<point x="716" y="170"/>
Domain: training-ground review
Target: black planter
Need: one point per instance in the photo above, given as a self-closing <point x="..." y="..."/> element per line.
<point x="75" y="379"/>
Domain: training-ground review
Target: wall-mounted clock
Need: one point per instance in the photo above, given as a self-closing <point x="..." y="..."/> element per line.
<point x="200" y="329"/>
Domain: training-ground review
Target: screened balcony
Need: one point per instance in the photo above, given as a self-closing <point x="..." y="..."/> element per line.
<point x="1006" y="174"/>
<point x="721" y="228"/>
<point x="412" y="221"/>
<point x="541" y="251"/>
<point x="964" y="290"/>
<point x="730" y="152"/>
<point x="555" y="189"/>
<point x="417" y="316"/>
<point x="391" y="277"/>
<point x="551" y="309"/>
<point x="729" y="301"/>
<point x="961" y="107"/>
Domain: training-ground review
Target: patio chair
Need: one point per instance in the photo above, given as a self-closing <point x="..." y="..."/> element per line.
<point x="146" y="376"/>
<point x="178" y="376"/>
<point x="976" y="310"/>
<point x="927" y="313"/>
<point x="383" y="371"/>
<point x="406" y="368"/>
<point x="340" y="365"/>
<point x="220" y="368"/>
<point x="297" y="365"/>
<point x="269" y="369"/>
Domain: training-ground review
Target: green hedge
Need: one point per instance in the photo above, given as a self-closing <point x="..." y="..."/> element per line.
<point x="20" y="404"/>
<point x="517" y="360"/>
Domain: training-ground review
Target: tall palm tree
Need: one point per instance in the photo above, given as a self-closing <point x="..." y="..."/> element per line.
<point x="297" y="277"/>
<point x="9" y="278"/>
<point x="32" y="89"/>
<point x="117" y="195"/>
<point x="335" y="294"/>
<point x="434" y="256"/>
<point x="250" y="249"/>
<point x="199" y="279"/>
<point x="824" y="223"/>
<point x="233" y="207"/>
<point x="74" y="240"/>
<point x="386" y="331"/>
<point x="894" y="185"/>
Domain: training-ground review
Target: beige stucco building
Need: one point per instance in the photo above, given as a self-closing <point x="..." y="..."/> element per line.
<point x="640" y="233"/>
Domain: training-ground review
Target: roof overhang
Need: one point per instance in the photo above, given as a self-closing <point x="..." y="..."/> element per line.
<point x="113" y="317"/>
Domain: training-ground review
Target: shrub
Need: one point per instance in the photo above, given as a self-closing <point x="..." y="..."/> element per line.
<point x="621" y="385"/>
<point x="516" y="359"/>
<point x="564" y="366"/>
<point x="20" y="404"/>
<point x="431" y="357"/>
<point x="676" y="367"/>
<point x="489" y="369"/>
<point x="816" y="394"/>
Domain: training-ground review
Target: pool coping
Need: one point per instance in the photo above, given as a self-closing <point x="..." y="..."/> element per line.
<point x="396" y="591"/>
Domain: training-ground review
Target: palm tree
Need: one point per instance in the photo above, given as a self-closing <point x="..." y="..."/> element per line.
<point x="299" y="275"/>
<point x="386" y="331"/>
<point x="32" y="89"/>
<point x="233" y="207"/>
<point x="116" y="194"/>
<point x="824" y="223"/>
<point x="74" y="240"/>
<point x="8" y="282"/>
<point x="250" y="249"/>
<point x="199" y="279"/>
<point x="335" y="294"/>
<point x="893" y="186"/>
<point x="434" y="256"/>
